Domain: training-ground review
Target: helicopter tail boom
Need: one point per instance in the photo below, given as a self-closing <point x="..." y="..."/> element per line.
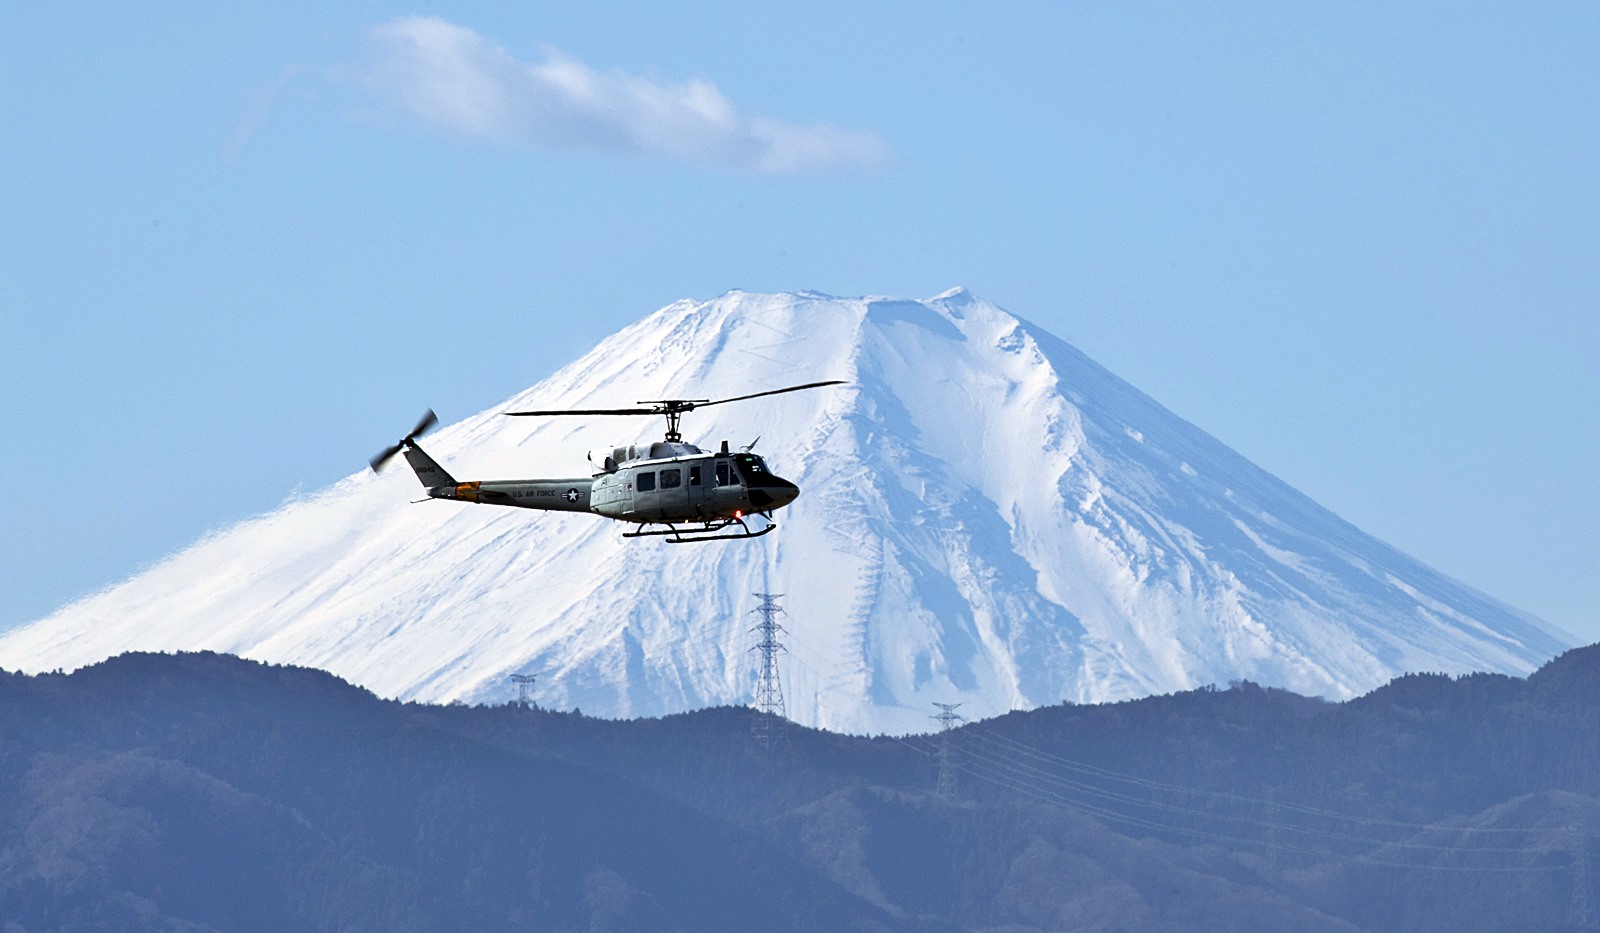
<point x="549" y="495"/>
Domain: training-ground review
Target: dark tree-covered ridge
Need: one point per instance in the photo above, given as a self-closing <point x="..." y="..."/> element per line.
<point x="205" y="792"/>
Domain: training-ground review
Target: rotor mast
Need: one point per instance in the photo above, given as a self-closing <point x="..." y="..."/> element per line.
<point x="673" y="409"/>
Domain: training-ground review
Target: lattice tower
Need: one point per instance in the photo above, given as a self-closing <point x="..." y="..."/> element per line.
<point x="768" y="724"/>
<point x="947" y="718"/>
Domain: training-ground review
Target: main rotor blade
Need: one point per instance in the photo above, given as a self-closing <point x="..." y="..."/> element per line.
<point x="588" y="411"/>
<point x="809" y="385"/>
<point x="672" y="405"/>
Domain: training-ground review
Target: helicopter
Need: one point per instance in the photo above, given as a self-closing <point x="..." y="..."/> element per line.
<point x="692" y="495"/>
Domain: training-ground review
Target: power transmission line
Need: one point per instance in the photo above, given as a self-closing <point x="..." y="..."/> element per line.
<point x="1031" y="781"/>
<point x="1091" y="771"/>
<point x="1020" y="769"/>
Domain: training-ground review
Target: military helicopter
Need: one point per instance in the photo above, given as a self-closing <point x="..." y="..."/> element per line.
<point x="693" y="495"/>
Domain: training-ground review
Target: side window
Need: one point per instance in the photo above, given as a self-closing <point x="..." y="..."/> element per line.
<point x="694" y="476"/>
<point x="671" y="479"/>
<point x="645" y="482"/>
<point x="722" y="473"/>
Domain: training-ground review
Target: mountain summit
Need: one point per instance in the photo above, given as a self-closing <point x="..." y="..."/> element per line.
<point x="987" y="517"/>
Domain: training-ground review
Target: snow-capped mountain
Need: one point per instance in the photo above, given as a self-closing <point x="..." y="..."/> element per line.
<point x="987" y="517"/>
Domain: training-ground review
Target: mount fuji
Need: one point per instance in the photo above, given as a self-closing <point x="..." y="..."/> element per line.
<point x="987" y="517"/>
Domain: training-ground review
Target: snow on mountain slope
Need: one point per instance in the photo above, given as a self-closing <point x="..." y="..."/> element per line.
<point x="987" y="517"/>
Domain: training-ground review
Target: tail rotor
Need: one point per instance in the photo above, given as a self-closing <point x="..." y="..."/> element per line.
<point x="428" y="422"/>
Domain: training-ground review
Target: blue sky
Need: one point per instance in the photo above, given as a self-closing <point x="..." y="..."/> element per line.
<point x="244" y="246"/>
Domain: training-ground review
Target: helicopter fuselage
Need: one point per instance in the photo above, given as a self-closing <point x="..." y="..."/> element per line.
<point x="680" y="483"/>
<point x="692" y="494"/>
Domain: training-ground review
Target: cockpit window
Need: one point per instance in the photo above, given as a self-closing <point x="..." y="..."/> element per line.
<point x="750" y="464"/>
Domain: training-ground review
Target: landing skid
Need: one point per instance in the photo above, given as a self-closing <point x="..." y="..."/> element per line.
<point x="708" y="531"/>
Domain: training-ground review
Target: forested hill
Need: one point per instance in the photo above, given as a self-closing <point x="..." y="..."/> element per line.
<point x="203" y="792"/>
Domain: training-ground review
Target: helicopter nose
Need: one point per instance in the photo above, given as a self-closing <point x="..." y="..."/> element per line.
<point x="783" y="492"/>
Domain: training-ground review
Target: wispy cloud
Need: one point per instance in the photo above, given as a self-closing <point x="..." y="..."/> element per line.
<point x="455" y="80"/>
<point x="255" y="116"/>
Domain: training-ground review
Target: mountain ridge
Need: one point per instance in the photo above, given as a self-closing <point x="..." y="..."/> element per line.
<point x="204" y="791"/>
<point x="988" y="517"/>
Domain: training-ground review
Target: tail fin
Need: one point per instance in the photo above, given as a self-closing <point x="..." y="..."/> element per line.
<point x="430" y="473"/>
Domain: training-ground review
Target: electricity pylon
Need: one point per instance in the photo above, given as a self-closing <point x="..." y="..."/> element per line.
<point x="524" y="684"/>
<point x="768" y="724"/>
<point x="947" y="766"/>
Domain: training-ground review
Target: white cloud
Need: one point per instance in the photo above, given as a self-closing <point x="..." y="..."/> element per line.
<point x="255" y="116"/>
<point x="457" y="81"/>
